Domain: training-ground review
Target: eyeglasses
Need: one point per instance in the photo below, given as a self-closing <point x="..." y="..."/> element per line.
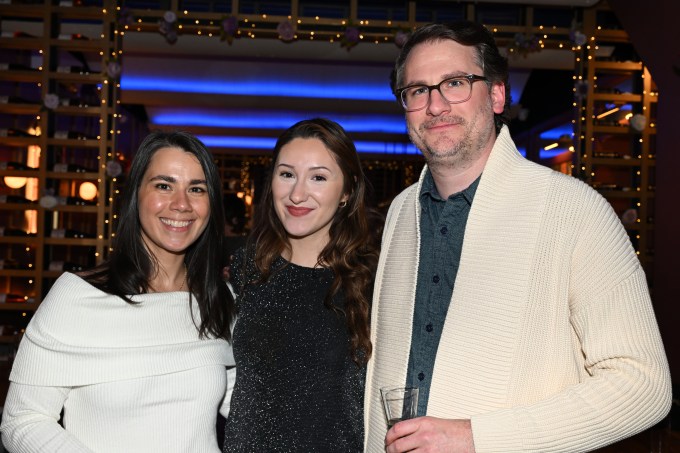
<point x="454" y="90"/>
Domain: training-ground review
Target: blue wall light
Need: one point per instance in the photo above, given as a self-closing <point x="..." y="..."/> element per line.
<point x="249" y="87"/>
<point x="277" y="120"/>
<point x="267" y="143"/>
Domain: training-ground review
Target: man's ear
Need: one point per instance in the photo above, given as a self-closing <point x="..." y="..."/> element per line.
<point x="498" y="97"/>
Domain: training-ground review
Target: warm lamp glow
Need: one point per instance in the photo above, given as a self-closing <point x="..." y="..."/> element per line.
<point x="15" y="182"/>
<point x="87" y="191"/>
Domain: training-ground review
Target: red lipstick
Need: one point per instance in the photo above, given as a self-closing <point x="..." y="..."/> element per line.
<point x="298" y="212"/>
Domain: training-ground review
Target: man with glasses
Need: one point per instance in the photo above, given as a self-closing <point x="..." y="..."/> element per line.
<point x="508" y="293"/>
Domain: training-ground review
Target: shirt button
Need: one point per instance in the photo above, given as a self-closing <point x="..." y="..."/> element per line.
<point x="421" y="376"/>
<point x="428" y="327"/>
<point x="435" y="279"/>
<point x="444" y="230"/>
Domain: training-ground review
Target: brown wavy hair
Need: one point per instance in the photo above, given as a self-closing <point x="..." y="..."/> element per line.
<point x="351" y="253"/>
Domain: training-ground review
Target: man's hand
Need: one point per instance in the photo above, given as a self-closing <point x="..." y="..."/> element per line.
<point x="430" y="435"/>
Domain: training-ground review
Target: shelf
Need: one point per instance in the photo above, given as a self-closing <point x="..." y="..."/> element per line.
<point x="20" y="206"/>
<point x="616" y="161"/>
<point x="72" y="241"/>
<point x="84" y="176"/>
<point x="611" y="129"/>
<point x="58" y="50"/>
<point x="617" y="65"/>
<point x="613" y="193"/>
<point x="20" y="306"/>
<point x="10" y="339"/>
<point x="20" y="109"/>
<point x="18" y="75"/>
<point x="85" y="111"/>
<point x="79" y="12"/>
<point x="623" y="98"/>
<point x="20" y="173"/>
<point x="28" y="240"/>
<point x="75" y="45"/>
<point x="21" y="11"/>
<point x="92" y="77"/>
<point x="612" y="35"/>
<point x="20" y="141"/>
<point x="18" y="273"/>
<point x="638" y="227"/>
<point x="21" y="43"/>
<point x="74" y="208"/>
<point x="76" y="143"/>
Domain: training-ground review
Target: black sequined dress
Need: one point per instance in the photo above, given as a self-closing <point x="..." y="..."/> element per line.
<point x="297" y="390"/>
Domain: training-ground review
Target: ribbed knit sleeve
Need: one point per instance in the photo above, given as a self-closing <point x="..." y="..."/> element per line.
<point x="30" y="421"/>
<point x="624" y="382"/>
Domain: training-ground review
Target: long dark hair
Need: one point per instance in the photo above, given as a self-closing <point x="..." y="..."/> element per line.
<point x="351" y="253"/>
<point x="466" y="33"/>
<point x="130" y="264"/>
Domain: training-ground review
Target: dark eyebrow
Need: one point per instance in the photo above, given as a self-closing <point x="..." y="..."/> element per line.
<point x="163" y="178"/>
<point x="283" y="165"/>
<point x="446" y="76"/>
<point x="166" y="178"/>
<point x="320" y="167"/>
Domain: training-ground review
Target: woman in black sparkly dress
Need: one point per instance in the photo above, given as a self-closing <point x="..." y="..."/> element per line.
<point x="303" y="284"/>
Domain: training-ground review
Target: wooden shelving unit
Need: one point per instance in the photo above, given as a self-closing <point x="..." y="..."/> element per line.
<point x="616" y="127"/>
<point x="58" y="130"/>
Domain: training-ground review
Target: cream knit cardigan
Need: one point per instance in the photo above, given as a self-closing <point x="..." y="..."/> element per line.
<point x="550" y="343"/>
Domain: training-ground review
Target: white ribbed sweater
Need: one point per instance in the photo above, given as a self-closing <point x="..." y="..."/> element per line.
<point x="131" y="378"/>
<point x="550" y="343"/>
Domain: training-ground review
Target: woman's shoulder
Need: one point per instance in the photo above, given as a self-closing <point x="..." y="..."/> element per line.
<point x="68" y="288"/>
<point x="67" y="300"/>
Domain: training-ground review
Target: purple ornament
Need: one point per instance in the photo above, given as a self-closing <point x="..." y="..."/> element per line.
<point x="286" y="30"/>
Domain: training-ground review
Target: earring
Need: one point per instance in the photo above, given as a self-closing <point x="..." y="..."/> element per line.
<point x="343" y="203"/>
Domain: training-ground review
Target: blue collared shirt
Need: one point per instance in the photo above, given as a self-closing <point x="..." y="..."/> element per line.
<point x="442" y="227"/>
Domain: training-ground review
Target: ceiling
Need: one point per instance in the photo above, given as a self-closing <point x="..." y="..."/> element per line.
<point x="238" y="97"/>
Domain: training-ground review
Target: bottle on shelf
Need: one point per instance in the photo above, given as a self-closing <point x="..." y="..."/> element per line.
<point x="68" y="69"/>
<point x="16" y="67"/>
<point x="77" y="201"/>
<point x="11" y="263"/>
<point x="14" y="232"/>
<point x="14" y="100"/>
<point x="73" y="37"/>
<point x="609" y="155"/>
<point x="14" y="132"/>
<point x="61" y="233"/>
<point x="64" y="266"/>
<point x="73" y="135"/>
<point x="72" y="168"/>
<point x="16" y="34"/>
<point x="11" y="165"/>
<point x="15" y="199"/>
<point x="12" y="298"/>
<point x="75" y="102"/>
<point x="8" y="263"/>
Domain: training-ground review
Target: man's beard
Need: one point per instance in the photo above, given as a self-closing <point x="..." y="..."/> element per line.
<point x="448" y="152"/>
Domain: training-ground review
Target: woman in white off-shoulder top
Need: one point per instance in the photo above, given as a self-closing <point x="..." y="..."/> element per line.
<point x="136" y="352"/>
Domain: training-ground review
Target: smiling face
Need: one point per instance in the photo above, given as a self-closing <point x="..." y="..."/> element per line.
<point x="451" y="135"/>
<point x="307" y="188"/>
<point x="174" y="207"/>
